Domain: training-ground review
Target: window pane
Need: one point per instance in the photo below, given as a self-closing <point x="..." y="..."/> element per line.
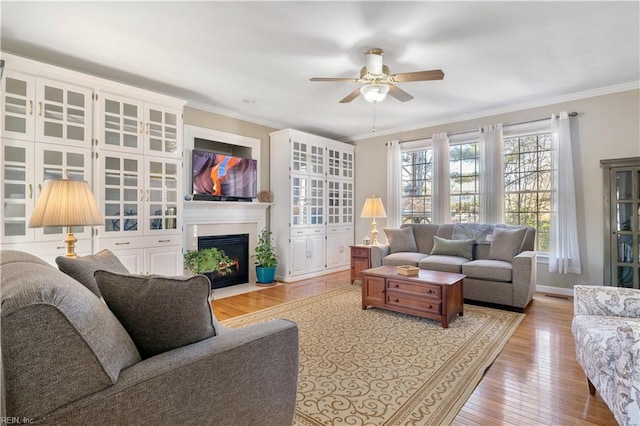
<point x="528" y="185"/>
<point x="416" y="184"/>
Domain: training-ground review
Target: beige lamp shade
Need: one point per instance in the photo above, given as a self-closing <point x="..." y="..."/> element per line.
<point x="64" y="202"/>
<point x="373" y="207"/>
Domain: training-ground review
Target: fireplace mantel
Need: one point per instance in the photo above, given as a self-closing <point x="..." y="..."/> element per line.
<point x="204" y="212"/>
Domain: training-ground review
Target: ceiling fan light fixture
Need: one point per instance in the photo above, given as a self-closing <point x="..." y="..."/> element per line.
<point x="374" y="92"/>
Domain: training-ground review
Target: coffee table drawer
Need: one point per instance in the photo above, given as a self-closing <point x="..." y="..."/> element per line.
<point x="422" y="289"/>
<point x="411" y="301"/>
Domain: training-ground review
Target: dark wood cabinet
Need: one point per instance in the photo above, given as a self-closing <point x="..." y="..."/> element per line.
<point x="360" y="260"/>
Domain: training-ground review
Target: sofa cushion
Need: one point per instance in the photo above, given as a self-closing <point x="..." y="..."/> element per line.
<point x="506" y="243"/>
<point x="458" y="248"/>
<point x="160" y="313"/>
<point x="59" y="342"/>
<point x="423" y="234"/>
<point x="491" y="270"/>
<point x="82" y="268"/>
<point x="401" y="240"/>
<point x="404" y="258"/>
<point x="443" y="263"/>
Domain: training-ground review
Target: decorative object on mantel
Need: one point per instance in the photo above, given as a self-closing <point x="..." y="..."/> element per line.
<point x="208" y="262"/>
<point x="266" y="258"/>
<point x="265" y="197"/>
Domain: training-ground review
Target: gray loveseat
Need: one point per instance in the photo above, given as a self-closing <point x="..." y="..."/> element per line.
<point x="498" y="260"/>
<point x="68" y="360"/>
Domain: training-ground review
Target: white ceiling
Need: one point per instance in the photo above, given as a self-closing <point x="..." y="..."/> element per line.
<point x="495" y="55"/>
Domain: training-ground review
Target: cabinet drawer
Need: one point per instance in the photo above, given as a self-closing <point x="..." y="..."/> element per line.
<point x="360" y="252"/>
<point x="431" y="291"/>
<point x="412" y="301"/>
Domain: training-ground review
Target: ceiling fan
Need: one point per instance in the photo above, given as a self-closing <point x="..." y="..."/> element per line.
<point x="378" y="81"/>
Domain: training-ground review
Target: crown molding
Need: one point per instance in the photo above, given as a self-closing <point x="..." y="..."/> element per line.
<point x="237" y="115"/>
<point x="592" y="93"/>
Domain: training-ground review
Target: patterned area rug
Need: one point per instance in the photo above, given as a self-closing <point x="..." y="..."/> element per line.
<point x="375" y="367"/>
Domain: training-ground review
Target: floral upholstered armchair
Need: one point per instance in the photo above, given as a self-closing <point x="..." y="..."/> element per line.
<point x="606" y="326"/>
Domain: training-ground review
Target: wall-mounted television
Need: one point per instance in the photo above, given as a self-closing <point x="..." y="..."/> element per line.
<point x="222" y="177"/>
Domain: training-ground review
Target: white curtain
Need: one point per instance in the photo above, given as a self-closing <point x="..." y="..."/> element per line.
<point x="491" y="179"/>
<point x="440" y="200"/>
<point x="564" y="252"/>
<point x="394" y="164"/>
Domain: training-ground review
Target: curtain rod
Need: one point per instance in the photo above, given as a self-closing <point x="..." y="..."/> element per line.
<point x="571" y="114"/>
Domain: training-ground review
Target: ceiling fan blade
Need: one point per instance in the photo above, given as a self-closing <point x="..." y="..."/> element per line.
<point x="349" y="80"/>
<point x="399" y="94"/>
<point x="418" y="76"/>
<point x="351" y="96"/>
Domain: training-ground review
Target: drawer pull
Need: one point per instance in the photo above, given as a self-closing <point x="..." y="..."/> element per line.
<point x="61" y="247"/>
<point x="123" y="244"/>
<point x="397" y="285"/>
<point x="396" y="300"/>
<point x="164" y="241"/>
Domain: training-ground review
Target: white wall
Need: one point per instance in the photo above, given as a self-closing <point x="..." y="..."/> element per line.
<point x="606" y="127"/>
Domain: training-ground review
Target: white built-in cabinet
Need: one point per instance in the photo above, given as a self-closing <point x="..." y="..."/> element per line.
<point x="312" y="215"/>
<point x="46" y="134"/>
<point x="126" y="142"/>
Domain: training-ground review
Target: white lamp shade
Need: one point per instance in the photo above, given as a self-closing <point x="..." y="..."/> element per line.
<point x="373" y="207"/>
<point x="64" y="202"/>
<point x="374" y="92"/>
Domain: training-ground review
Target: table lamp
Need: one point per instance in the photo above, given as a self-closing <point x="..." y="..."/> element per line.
<point x="65" y="202"/>
<point x="373" y="208"/>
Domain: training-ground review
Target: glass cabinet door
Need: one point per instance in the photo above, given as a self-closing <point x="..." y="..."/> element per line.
<point x="162" y="132"/>
<point x="60" y="162"/>
<point x="122" y="194"/>
<point x="63" y="113"/>
<point x="299" y="201"/>
<point x="316" y="202"/>
<point x="299" y="157"/>
<point x="17" y="191"/>
<point x="347" y="203"/>
<point x="120" y="123"/>
<point x="18" y="97"/>
<point x="161" y="194"/>
<point x="333" y="201"/>
<point x="625" y="226"/>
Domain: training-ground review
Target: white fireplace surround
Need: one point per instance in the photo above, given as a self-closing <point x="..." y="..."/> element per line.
<point x="206" y="218"/>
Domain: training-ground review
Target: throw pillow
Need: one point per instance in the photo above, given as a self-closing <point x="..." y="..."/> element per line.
<point x="506" y="243"/>
<point x="401" y="240"/>
<point x="82" y="268"/>
<point x="459" y="248"/>
<point x="160" y="313"/>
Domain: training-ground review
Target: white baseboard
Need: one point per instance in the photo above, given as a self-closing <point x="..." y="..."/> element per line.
<point x="554" y="290"/>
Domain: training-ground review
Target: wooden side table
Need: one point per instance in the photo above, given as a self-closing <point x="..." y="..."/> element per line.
<point x="360" y="260"/>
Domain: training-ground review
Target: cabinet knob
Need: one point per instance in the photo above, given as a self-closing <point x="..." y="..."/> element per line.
<point x="397" y="285"/>
<point x="396" y="300"/>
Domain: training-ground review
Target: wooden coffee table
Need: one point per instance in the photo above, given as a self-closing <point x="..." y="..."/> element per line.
<point x="432" y="294"/>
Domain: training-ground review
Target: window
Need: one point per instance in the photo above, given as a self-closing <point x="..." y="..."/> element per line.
<point x="463" y="173"/>
<point x="417" y="175"/>
<point x="527" y="184"/>
<point x="527" y="181"/>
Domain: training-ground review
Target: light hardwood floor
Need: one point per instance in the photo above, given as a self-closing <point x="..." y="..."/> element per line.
<point x="534" y="381"/>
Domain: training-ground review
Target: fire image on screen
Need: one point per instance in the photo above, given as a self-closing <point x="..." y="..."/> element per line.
<point x="224" y="175"/>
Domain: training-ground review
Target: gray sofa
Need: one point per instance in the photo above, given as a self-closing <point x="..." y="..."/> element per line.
<point x="498" y="270"/>
<point x="68" y="360"/>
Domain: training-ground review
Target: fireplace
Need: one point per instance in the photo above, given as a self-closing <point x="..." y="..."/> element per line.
<point x="237" y="248"/>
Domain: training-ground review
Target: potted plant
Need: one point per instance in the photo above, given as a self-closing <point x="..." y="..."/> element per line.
<point x="208" y="262"/>
<point x="266" y="258"/>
